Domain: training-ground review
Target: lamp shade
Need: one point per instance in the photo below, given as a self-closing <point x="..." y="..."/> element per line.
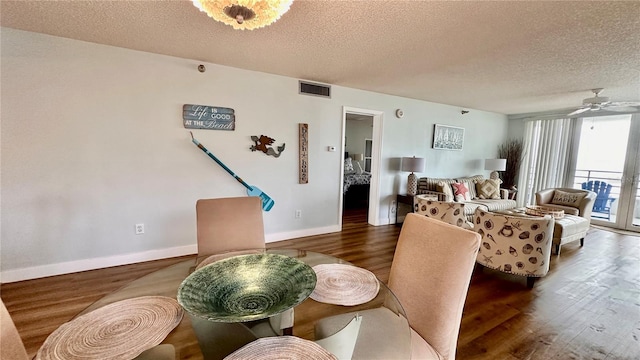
<point x="357" y="157"/>
<point x="495" y="164"/>
<point x="413" y="164"/>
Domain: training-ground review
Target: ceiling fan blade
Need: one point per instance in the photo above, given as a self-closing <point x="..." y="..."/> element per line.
<point x="621" y="108"/>
<point x="624" y="103"/>
<point x="579" y="111"/>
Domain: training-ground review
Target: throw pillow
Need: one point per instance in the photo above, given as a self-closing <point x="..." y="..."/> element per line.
<point x="446" y="189"/>
<point x="567" y="198"/>
<point x="488" y="189"/>
<point x="471" y="180"/>
<point x="461" y="191"/>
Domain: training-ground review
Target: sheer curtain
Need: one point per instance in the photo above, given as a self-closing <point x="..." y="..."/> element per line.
<point x="549" y="157"/>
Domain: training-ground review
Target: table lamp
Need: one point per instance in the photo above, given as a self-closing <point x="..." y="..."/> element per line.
<point x="357" y="158"/>
<point x="495" y="165"/>
<point x="412" y="164"/>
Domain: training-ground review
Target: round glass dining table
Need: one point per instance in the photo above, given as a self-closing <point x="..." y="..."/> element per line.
<point x="166" y="281"/>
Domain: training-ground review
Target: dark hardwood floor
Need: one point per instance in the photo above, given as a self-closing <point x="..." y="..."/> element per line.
<point x="587" y="307"/>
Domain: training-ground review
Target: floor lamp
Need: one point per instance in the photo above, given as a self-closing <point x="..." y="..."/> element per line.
<point x="412" y="164"/>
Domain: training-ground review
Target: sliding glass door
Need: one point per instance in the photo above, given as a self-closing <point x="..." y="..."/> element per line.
<point x="608" y="164"/>
<point x="629" y="204"/>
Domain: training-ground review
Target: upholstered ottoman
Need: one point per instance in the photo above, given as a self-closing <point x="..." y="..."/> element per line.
<point x="567" y="229"/>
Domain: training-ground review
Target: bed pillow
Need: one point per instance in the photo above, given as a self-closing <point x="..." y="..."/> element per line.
<point x="461" y="191"/>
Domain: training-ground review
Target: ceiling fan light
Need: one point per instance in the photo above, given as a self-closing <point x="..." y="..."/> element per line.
<point x="244" y="14"/>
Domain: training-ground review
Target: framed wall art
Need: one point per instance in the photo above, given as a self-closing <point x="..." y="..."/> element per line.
<point x="448" y="137"/>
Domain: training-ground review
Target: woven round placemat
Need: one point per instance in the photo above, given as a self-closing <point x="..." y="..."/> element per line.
<point x="342" y="284"/>
<point x="281" y="347"/>
<point x="121" y="330"/>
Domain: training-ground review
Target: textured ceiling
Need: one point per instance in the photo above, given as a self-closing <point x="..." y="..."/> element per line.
<point x="507" y="57"/>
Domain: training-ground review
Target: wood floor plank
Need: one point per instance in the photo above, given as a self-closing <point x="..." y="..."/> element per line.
<point x="587" y="307"/>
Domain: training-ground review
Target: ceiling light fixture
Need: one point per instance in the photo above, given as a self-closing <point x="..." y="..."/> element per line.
<point x="244" y="14"/>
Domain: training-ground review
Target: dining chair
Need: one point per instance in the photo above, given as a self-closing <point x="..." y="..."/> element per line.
<point x="342" y="343"/>
<point x="430" y="275"/>
<point x="12" y="347"/>
<point x="235" y="224"/>
<point x="229" y="224"/>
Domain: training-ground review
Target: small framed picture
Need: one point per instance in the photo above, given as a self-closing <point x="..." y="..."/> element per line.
<point x="448" y="137"/>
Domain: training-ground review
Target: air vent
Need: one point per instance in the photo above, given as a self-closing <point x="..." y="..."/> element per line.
<point x="308" y="88"/>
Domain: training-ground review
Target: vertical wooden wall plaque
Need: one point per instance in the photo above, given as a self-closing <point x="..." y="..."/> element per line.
<point x="303" y="135"/>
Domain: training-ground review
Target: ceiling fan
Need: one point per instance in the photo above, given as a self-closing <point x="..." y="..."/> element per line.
<point x="598" y="103"/>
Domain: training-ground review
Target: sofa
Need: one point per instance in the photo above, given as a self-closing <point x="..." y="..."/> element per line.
<point x="483" y="194"/>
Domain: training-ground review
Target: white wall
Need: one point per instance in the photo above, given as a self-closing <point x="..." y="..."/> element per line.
<point x="93" y="143"/>
<point x="516" y="129"/>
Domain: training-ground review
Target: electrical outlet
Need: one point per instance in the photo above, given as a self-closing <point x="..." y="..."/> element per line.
<point x="298" y="214"/>
<point x="394" y="207"/>
<point x="139" y="229"/>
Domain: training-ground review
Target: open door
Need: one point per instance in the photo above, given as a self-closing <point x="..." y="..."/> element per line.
<point x="361" y="144"/>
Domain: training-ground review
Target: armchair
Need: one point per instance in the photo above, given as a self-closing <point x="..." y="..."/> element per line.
<point x="449" y="212"/>
<point x="515" y="244"/>
<point x="572" y="201"/>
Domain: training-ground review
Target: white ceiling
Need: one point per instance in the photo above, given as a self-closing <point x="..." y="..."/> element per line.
<point x="501" y="56"/>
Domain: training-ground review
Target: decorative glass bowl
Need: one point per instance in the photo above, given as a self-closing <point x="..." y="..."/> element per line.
<point x="246" y="287"/>
<point x="539" y="210"/>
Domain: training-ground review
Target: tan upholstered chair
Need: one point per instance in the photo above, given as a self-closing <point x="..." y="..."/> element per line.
<point x="573" y="201"/>
<point x="229" y="224"/>
<point x="12" y="347"/>
<point x="430" y="275"/>
<point x="224" y="225"/>
<point x="449" y="212"/>
<point x="515" y="244"/>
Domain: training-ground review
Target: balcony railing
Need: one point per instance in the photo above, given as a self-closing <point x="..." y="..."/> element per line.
<point x="610" y="177"/>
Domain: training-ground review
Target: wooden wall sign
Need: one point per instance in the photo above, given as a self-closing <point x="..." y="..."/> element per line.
<point x="303" y="135"/>
<point x="208" y="117"/>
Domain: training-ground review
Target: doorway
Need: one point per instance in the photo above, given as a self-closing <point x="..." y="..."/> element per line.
<point x="357" y="170"/>
<point x="361" y="145"/>
<point x="608" y="163"/>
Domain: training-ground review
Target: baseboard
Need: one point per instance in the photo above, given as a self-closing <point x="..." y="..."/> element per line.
<point x="36" y="272"/>
<point x="269" y="238"/>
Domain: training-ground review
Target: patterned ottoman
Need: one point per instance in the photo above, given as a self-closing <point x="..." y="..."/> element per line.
<point x="567" y="229"/>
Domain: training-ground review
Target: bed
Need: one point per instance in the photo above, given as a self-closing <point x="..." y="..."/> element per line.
<point x="355" y="179"/>
<point x="356" y="186"/>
